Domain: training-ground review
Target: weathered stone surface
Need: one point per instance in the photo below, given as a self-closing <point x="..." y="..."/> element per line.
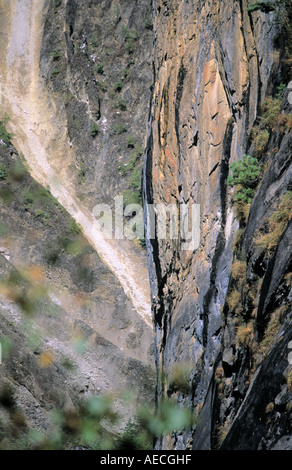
<point x="83" y="320"/>
<point x="214" y="64"/>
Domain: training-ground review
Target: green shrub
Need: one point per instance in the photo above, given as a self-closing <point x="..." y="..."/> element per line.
<point x="271" y="109"/>
<point x="129" y="36"/>
<point x="125" y="73"/>
<point x="102" y="86"/>
<point x="245" y="177"/>
<point x="117" y="13"/>
<point x="74" y="228"/>
<point x="5" y="136"/>
<point x="234" y="301"/>
<point x="94" y="41"/>
<point x="133" y="169"/>
<point x="134" y="194"/>
<point x="138" y="151"/>
<point x="118" y="129"/>
<point x="121" y="104"/>
<point x="280" y="91"/>
<point x="100" y="69"/>
<point x="123" y="169"/>
<point x="131" y="197"/>
<point x="261" y="5"/>
<point x="44" y="197"/>
<point x="55" y="73"/>
<point x="27" y="196"/>
<point x="56" y="55"/>
<point x="149" y="24"/>
<point x="42" y="215"/>
<point x="253" y="7"/>
<point x="271" y="117"/>
<point x="130" y="142"/>
<point x="132" y="163"/>
<point x="125" y="32"/>
<point x="130" y="46"/>
<point x="260" y="139"/>
<point x="134" y="34"/>
<point x="57" y="3"/>
<point x="69" y="364"/>
<point x="118" y="86"/>
<point x="95" y="129"/>
<point x="277" y="224"/>
<point x="135" y="179"/>
<point x="3" y="172"/>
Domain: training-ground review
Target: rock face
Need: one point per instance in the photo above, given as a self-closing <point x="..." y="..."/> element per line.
<point x="80" y="318"/>
<point x="70" y="72"/>
<point x="214" y="64"/>
<point x="96" y="62"/>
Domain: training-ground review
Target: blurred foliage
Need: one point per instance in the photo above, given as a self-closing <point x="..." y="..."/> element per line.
<point x="64" y="245"/>
<point x="90" y="423"/>
<point x="17" y="172"/>
<point x="88" y="426"/>
<point x="25" y="287"/>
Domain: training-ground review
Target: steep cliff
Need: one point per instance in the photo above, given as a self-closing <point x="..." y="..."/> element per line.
<point x="222" y="313"/>
<point x="87" y="330"/>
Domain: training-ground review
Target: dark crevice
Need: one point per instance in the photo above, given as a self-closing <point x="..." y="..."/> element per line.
<point x="180" y="82"/>
<point x="213" y="169"/>
<point x="220" y="243"/>
<point x="259" y="84"/>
